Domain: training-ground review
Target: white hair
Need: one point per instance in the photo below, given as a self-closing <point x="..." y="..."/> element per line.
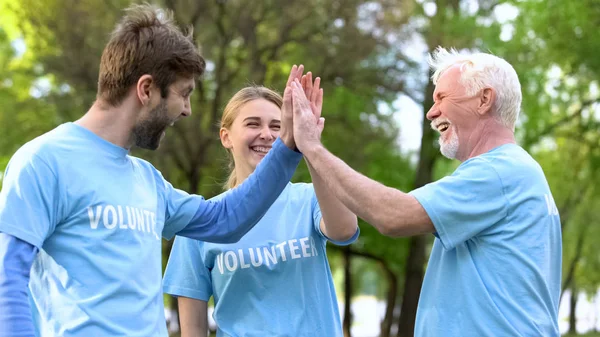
<point x="479" y="71"/>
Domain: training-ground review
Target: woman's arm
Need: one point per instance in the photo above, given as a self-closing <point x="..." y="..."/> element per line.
<point x="193" y="317"/>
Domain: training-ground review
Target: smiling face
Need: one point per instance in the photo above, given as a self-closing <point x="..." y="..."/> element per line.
<point x="152" y="125"/>
<point x="252" y="133"/>
<point x="454" y="114"/>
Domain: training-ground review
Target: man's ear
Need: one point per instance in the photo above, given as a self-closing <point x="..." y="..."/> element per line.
<point x="486" y="101"/>
<point x="144" y="89"/>
<point x="224" y="135"/>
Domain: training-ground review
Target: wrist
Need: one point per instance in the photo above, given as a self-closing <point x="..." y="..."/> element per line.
<point x="312" y="150"/>
<point x="288" y="139"/>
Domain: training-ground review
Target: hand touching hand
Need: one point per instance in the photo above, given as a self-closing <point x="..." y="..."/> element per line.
<point x="307" y="124"/>
<point x="286" y="134"/>
<point x="313" y="93"/>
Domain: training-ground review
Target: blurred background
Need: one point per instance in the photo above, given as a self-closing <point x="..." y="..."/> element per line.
<point x="372" y="57"/>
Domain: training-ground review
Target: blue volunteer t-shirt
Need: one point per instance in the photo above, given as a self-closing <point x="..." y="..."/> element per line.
<point x="98" y="216"/>
<point x="495" y="267"/>
<point x="275" y="281"/>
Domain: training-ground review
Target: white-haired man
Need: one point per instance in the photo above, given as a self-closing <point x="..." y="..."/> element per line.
<point x="495" y="267"/>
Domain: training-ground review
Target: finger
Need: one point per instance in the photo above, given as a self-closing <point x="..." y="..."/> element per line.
<point x="299" y="71"/>
<point x="309" y="85"/>
<point x="299" y="99"/>
<point x="292" y="74"/>
<point x="287" y="97"/>
<point x="296" y="88"/>
<point x="315" y="92"/>
<point x="317" y="106"/>
<point x="295" y="98"/>
<point x="321" y="124"/>
<point x="303" y="82"/>
<point x="319" y="102"/>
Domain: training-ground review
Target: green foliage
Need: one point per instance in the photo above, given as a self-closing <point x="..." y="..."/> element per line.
<point x="22" y="117"/>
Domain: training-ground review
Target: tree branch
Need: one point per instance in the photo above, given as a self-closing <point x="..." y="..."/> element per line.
<point x="529" y="140"/>
<point x="573" y="265"/>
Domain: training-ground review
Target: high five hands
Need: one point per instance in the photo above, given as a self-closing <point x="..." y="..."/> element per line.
<point x="302" y="106"/>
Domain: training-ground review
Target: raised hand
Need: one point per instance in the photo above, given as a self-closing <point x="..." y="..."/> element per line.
<point x="286" y="133"/>
<point x="313" y="93"/>
<point x="307" y="124"/>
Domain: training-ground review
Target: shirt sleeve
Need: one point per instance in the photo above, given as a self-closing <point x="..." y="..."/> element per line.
<point x="227" y="219"/>
<point x="317" y="216"/>
<point x="186" y="274"/>
<point x="29" y="202"/>
<point x="16" y="258"/>
<point x="464" y="204"/>
<point x="181" y="207"/>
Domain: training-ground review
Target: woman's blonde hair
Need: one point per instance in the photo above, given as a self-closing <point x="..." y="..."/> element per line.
<point x="232" y="110"/>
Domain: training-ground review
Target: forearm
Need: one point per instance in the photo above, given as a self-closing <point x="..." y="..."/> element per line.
<point x="16" y="258"/>
<point x="389" y="210"/>
<point x="193" y="317"/>
<point x="227" y="220"/>
<point x="340" y="224"/>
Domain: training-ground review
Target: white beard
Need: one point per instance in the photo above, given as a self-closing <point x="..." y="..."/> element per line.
<point x="449" y="148"/>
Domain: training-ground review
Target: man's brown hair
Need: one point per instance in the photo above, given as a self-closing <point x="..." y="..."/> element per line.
<point x="146" y="41"/>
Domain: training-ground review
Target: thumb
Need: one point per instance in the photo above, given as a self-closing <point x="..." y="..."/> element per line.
<point x="287" y="96"/>
<point x="287" y="104"/>
<point x="321" y="124"/>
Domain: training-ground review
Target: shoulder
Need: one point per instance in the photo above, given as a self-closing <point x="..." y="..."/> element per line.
<point x="475" y="174"/>
<point x="56" y="138"/>
<point x="513" y="164"/>
<point x="46" y="148"/>
<point x="145" y="164"/>
<point x="150" y="172"/>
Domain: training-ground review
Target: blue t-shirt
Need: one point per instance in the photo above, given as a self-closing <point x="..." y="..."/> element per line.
<point x="495" y="267"/>
<point x="98" y="215"/>
<point x="275" y="281"/>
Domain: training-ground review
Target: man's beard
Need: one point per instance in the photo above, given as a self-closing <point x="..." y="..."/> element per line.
<point x="148" y="133"/>
<point x="450" y="149"/>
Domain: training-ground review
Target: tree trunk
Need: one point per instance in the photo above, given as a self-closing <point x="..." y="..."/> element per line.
<point x="572" y="306"/>
<point x="194" y="179"/>
<point x="347" y="323"/>
<point x="570" y="275"/>
<point x="416" y="257"/>
<point x="386" y="324"/>
<point x="412" y="287"/>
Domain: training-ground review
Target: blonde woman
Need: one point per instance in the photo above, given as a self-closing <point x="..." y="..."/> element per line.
<point x="276" y="280"/>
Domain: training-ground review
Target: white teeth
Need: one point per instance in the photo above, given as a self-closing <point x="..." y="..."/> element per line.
<point x="260" y="149"/>
<point x="443" y="126"/>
